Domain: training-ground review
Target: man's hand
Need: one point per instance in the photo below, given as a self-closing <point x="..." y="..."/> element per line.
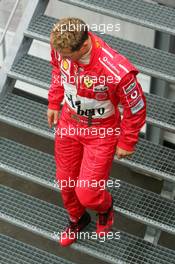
<point x="121" y="153"/>
<point x="53" y="117"/>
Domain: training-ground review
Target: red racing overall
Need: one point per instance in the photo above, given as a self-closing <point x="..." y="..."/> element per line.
<point x="91" y="95"/>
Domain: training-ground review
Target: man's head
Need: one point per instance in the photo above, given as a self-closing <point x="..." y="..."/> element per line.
<point x="70" y="38"/>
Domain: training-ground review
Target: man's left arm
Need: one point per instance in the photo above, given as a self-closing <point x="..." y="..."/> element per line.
<point x="133" y="100"/>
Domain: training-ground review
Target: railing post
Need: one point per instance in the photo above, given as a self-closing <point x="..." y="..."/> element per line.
<point x="3" y="49"/>
<point x="163" y="41"/>
<point x="2" y="40"/>
<point x="158" y="87"/>
<point x="21" y="44"/>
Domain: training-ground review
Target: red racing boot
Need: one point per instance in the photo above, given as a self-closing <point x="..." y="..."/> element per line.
<point x="70" y="234"/>
<point x="105" y="222"/>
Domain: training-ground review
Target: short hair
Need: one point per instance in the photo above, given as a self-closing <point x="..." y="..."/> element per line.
<point x="69" y="33"/>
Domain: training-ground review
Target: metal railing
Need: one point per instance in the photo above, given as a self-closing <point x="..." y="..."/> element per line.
<point x="170" y="3"/>
<point x="2" y="40"/>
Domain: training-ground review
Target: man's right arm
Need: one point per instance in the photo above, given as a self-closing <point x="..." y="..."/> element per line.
<point x="56" y="92"/>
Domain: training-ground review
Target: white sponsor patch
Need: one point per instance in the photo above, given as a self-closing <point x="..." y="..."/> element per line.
<point x="100" y="88"/>
<point x="137" y="107"/>
<point x="79" y="103"/>
<point x="134" y="96"/>
<point x="129" y="88"/>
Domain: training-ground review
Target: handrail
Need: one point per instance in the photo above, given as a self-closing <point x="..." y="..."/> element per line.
<point x="2" y="40"/>
<point x="169" y="3"/>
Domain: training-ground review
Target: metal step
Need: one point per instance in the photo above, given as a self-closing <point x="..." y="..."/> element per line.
<point x="29" y="115"/>
<point x="142" y="205"/>
<point x="151" y="61"/>
<point x="26" y="114"/>
<point x="142" y="13"/>
<point x="33" y="70"/>
<point x="17" y="252"/>
<point x="48" y="220"/>
<point x="36" y="71"/>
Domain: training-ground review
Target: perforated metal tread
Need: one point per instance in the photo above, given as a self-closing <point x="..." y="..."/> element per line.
<point x="152" y="157"/>
<point x="135" y="202"/>
<point x="150" y="61"/>
<point x="17" y="252"/>
<point x="143" y="13"/>
<point x="31" y="116"/>
<point x="32" y="70"/>
<point x="160" y="111"/>
<point x="26" y="114"/>
<point x="48" y="220"/>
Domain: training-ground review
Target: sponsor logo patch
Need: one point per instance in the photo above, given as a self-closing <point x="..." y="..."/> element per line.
<point x="129" y="88"/>
<point x="133" y="97"/>
<point x="97" y="44"/>
<point x="137" y="107"/>
<point x="100" y="88"/>
<point x="88" y="82"/>
<point x="110" y="64"/>
<point x="101" y="96"/>
<point x="89" y="112"/>
<point x="65" y="65"/>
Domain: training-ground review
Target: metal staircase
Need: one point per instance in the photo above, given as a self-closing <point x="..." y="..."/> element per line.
<point x="156" y="211"/>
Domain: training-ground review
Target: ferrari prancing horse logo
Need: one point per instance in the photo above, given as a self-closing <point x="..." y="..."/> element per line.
<point x="88" y="82"/>
<point x="65" y="65"/>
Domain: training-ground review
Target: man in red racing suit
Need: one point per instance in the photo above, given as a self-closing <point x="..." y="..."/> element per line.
<point x="90" y="130"/>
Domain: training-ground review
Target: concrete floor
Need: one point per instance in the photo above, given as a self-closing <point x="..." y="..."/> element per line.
<point x="51" y="196"/>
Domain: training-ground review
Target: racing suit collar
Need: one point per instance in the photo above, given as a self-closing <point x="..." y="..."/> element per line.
<point x="95" y="51"/>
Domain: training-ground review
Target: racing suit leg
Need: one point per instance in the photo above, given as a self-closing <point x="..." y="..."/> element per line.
<point x="68" y="157"/>
<point x="95" y="168"/>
